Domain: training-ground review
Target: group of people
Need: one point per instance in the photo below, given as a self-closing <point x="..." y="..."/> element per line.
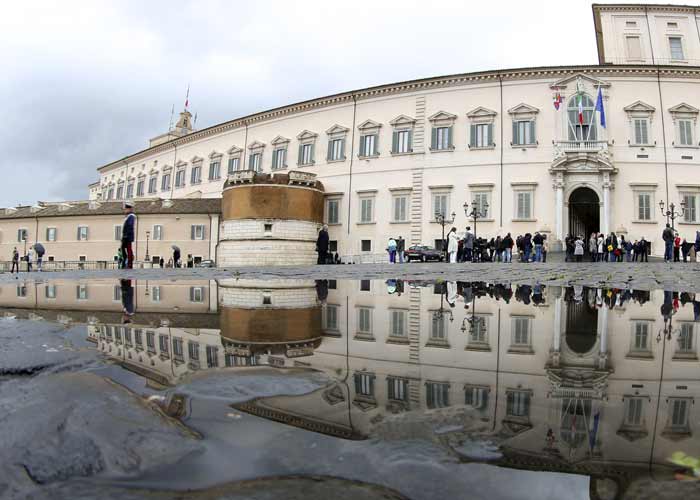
<point x="606" y="248"/>
<point x="35" y="255"/>
<point x="675" y="247"/>
<point x="469" y="248"/>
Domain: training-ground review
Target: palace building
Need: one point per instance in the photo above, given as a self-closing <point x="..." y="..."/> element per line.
<point x="560" y="150"/>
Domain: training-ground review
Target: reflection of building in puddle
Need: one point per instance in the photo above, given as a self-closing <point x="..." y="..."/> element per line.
<point x="269" y="322"/>
<point x="575" y="378"/>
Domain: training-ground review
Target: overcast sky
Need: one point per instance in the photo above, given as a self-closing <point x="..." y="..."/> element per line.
<point x="87" y="82"/>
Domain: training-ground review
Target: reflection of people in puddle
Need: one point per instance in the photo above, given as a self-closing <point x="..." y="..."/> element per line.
<point x="322" y="290"/>
<point x="127" y="300"/>
<point x="451" y="293"/>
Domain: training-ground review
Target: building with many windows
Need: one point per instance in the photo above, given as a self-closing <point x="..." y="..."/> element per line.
<point x="553" y="149"/>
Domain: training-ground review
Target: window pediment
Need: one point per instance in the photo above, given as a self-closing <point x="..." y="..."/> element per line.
<point x="639" y="108"/>
<point x="277" y="141"/>
<point x="684" y="110"/>
<point x="256" y="145"/>
<point x="180" y="163"/>
<point x="523" y="109"/>
<point x="234" y="150"/>
<point x="481" y="114"/>
<point x="403" y="121"/>
<point x="337" y="130"/>
<point x="196" y="159"/>
<point x="442" y="117"/>
<point x="573" y="79"/>
<point x="153" y="171"/>
<point x="307" y="135"/>
<point x="368" y="126"/>
<point x="214" y="155"/>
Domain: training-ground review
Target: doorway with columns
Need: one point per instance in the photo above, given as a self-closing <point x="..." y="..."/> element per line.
<point x="584" y="212"/>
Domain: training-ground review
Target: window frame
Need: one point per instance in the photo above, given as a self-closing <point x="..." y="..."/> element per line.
<point x="395" y="197"/>
<point x="327" y="212"/>
<point x="372" y="199"/>
<point x="681" y="47"/>
<point x="517" y="191"/>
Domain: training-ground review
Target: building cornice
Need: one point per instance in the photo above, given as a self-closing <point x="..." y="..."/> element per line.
<point x="426" y="84"/>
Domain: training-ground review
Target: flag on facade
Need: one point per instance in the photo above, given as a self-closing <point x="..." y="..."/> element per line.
<point x="187" y="97"/>
<point x="580" y="108"/>
<point x="599" y="107"/>
<point x="593" y="434"/>
<point x="557" y="101"/>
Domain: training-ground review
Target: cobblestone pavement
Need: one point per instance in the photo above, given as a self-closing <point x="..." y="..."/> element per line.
<point x="644" y="276"/>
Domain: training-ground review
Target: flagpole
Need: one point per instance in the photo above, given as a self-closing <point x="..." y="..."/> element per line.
<point x="592" y="116"/>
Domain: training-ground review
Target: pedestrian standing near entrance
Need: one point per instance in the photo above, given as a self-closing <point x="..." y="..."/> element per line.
<point x="593" y="246"/>
<point x="391" y="248"/>
<point x="667" y="236"/>
<point x="676" y="248"/>
<point x="128" y="236"/>
<point x="452" y="245"/>
<point x="643" y="250"/>
<point x="508" y="249"/>
<point x="322" y="245"/>
<point x="15" y="261"/>
<point x="400" y="248"/>
<point x="537" y="241"/>
<point x="468" y="245"/>
<point x="578" y="248"/>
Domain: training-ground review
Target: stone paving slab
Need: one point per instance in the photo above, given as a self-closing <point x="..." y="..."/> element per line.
<point x="643" y="276"/>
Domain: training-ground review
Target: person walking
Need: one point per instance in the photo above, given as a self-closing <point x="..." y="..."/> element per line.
<point x="176" y="256"/>
<point x="40" y="251"/>
<point x="676" y="248"/>
<point x="685" y="249"/>
<point x="578" y="249"/>
<point x="628" y="250"/>
<point x="601" y="247"/>
<point x="400" y="248"/>
<point x="190" y="261"/>
<point x="322" y="245"/>
<point x="667" y="236"/>
<point x="527" y="247"/>
<point x="468" y="245"/>
<point x="128" y="235"/>
<point x="508" y="249"/>
<point x="452" y="245"/>
<point x="161" y="263"/>
<point x="391" y="248"/>
<point x="15" y="261"/>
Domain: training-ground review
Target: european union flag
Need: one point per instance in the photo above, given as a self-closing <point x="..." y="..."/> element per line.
<point x="599" y="107"/>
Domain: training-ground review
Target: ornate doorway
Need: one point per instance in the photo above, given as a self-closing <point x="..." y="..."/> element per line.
<point x="584" y="213"/>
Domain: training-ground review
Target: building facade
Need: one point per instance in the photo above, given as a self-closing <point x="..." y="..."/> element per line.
<point x="528" y="146"/>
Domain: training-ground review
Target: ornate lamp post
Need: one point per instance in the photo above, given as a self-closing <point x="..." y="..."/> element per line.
<point x="475" y="324"/>
<point x="440" y="219"/>
<point x="148" y="235"/>
<point x="475" y="213"/>
<point x="671" y="212"/>
<point x="442" y="312"/>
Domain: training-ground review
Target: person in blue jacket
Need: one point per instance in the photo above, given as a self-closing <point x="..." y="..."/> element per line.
<point x="128" y="236"/>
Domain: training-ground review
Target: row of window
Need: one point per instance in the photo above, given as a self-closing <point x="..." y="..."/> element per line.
<point x="197" y="293"/>
<point x="123" y="335"/>
<point x="197" y="232"/>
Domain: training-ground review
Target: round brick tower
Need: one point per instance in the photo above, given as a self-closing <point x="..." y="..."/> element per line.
<point x="270" y="219"/>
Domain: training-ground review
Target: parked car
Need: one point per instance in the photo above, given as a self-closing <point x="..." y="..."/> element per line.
<point x="423" y="253"/>
<point x="206" y="263"/>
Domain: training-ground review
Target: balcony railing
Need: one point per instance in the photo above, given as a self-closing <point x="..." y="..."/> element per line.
<point x="580" y="146"/>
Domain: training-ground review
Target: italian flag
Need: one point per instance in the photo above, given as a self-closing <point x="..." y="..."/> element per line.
<point x="580" y="108"/>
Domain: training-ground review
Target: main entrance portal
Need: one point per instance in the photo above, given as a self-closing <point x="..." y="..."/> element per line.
<point x="584" y="212"/>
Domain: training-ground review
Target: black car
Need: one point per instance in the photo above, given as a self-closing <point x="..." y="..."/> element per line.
<point x="424" y="253"/>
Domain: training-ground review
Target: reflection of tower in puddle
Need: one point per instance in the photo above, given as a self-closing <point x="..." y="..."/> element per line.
<point x="269" y="322"/>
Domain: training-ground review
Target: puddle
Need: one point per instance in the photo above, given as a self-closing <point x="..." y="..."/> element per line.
<point x="427" y="389"/>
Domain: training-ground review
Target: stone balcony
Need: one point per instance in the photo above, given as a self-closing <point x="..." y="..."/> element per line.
<point x="563" y="147"/>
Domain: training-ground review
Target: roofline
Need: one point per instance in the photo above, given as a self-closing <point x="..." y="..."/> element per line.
<point x="398" y="87"/>
<point x="644" y="6"/>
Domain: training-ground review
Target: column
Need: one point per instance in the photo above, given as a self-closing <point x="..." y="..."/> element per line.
<point x="605" y="223"/>
<point x="554" y="353"/>
<point x="558" y="186"/>
<point x="603" y="336"/>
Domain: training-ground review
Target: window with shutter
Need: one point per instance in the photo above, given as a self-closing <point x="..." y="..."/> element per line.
<point x="517" y="404"/>
<point x="676" y="48"/>
<point x="641" y="135"/>
<point x="644" y="206"/>
<point x="140" y="187"/>
<point x="368" y="145"/>
<point x="482" y="135"/>
<point x="685" y="132"/>
<point x="233" y="164"/>
<point x="523" y="205"/>
<point x="336" y="150"/>
<point x="332" y="211"/>
<point x="634" y="47"/>
<point x="366" y="210"/>
<point x="279" y="156"/>
<point x="691" y="203"/>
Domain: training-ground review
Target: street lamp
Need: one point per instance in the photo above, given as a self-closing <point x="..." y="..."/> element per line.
<point x="440" y="219"/>
<point x="476" y="324"/>
<point x="442" y="312"/>
<point x="148" y="235"/>
<point x="671" y="212"/>
<point x="475" y="213"/>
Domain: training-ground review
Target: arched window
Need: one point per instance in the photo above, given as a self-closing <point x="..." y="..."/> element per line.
<point x="587" y="131"/>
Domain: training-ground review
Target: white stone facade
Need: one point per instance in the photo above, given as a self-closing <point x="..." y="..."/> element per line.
<point x="287" y="242"/>
<point x="277" y="294"/>
<point x="508" y="138"/>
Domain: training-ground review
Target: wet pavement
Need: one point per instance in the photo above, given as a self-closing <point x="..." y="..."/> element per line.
<point x="303" y="388"/>
<point x="653" y="275"/>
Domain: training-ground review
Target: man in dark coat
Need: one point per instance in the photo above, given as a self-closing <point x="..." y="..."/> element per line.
<point x="400" y="248"/>
<point x="667" y="236"/>
<point x="128" y="229"/>
<point x="127" y="296"/>
<point x="322" y="245"/>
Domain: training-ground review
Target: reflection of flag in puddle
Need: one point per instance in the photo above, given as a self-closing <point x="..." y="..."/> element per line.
<point x="594" y="431"/>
